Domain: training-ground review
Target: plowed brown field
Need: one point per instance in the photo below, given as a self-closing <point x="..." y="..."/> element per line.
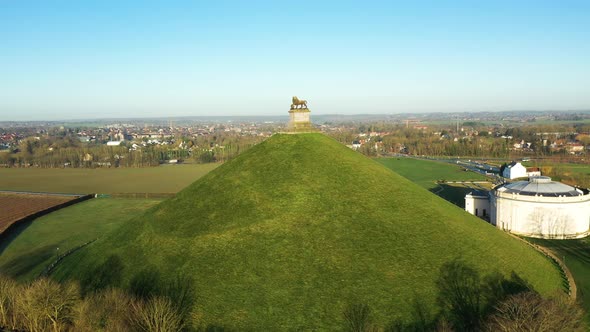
<point x="17" y="206"/>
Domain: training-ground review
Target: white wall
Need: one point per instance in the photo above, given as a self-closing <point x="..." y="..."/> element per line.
<point x="477" y="205"/>
<point x="516" y="171"/>
<point x="549" y="217"/>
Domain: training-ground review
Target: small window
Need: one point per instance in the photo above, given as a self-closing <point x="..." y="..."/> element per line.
<point x="476" y="212"/>
<point x="484" y="213"/>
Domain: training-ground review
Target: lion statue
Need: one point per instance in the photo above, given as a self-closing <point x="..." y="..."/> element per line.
<point x="298" y="103"/>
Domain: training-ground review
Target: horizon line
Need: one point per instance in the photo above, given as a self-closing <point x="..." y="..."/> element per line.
<point x="157" y="117"/>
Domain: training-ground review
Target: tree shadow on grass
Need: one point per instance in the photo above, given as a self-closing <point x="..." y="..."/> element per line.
<point x="12" y="232"/>
<point x="453" y="194"/>
<point x="464" y="299"/>
<point x="25" y="262"/>
<point x="107" y="274"/>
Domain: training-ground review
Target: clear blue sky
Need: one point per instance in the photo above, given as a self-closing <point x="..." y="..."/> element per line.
<point x="90" y="59"/>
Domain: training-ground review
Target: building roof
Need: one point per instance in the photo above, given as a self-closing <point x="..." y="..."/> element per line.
<point x="542" y="186"/>
<point x="512" y="164"/>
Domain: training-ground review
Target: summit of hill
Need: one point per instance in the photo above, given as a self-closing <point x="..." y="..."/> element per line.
<point x="287" y="234"/>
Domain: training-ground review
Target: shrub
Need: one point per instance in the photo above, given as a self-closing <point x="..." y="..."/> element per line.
<point x="156" y="314"/>
<point x="46" y="305"/>
<point x="358" y="318"/>
<point x="530" y="312"/>
<point x="9" y="291"/>
<point x="107" y="310"/>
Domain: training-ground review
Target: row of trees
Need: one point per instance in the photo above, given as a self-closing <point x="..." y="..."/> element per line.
<point x="475" y="141"/>
<point x="69" y="152"/>
<point x="467" y="302"/>
<point x="45" y="305"/>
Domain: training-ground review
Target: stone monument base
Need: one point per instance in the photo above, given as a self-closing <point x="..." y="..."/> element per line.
<point x="299" y="120"/>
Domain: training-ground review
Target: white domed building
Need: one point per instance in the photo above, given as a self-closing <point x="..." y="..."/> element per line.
<point x="538" y="207"/>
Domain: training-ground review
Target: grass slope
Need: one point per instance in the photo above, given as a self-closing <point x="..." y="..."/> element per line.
<point x="161" y="179"/>
<point x="290" y="232"/>
<point x="576" y="255"/>
<point x="26" y="252"/>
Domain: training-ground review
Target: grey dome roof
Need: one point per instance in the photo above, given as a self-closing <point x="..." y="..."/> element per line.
<point x="541" y="185"/>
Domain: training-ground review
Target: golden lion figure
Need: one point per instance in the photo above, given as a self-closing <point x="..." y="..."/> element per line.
<point x="298" y="103"/>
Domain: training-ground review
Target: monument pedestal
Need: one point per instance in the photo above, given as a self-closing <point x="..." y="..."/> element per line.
<point x="299" y="119"/>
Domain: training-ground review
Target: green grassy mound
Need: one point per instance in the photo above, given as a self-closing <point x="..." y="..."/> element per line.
<point x="290" y="232"/>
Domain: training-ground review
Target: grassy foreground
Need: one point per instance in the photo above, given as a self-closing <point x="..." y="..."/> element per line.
<point x="25" y="253"/>
<point x="161" y="179"/>
<point x="288" y="234"/>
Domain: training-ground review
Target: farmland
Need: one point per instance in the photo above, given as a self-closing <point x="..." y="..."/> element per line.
<point x="14" y="207"/>
<point x="28" y="250"/>
<point x="161" y="179"/>
<point x="32" y="246"/>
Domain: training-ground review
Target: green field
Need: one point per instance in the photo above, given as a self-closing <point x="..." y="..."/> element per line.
<point x="425" y="173"/>
<point x="161" y="179"/>
<point x="292" y="231"/>
<point x="576" y="255"/>
<point x="28" y="250"/>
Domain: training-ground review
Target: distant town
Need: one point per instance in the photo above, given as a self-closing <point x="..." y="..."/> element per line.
<point x="149" y="142"/>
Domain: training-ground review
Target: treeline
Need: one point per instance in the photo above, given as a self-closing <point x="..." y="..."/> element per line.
<point x="59" y="152"/>
<point x="89" y="156"/>
<point x="465" y="302"/>
<point x="475" y="140"/>
<point x="45" y="305"/>
<point x="418" y="142"/>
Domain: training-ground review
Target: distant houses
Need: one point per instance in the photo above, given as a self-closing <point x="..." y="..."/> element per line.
<point x="516" y="170"/>
<point x="532" y="172"/>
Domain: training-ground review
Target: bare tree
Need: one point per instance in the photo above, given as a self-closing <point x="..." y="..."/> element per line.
<point x="107" y="310"/>
<point x="530" y="312"/>
<point x="156" y="314"/>
<point x="46" y="305"/>
<point x="9" y="291"/>
<point x="358" y="318"/>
